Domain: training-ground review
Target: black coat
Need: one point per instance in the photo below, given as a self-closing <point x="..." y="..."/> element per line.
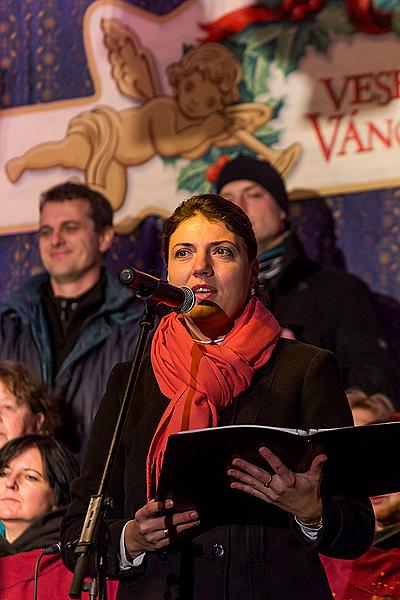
<point x="335" y="310"/>
<point x="299" y="387"/>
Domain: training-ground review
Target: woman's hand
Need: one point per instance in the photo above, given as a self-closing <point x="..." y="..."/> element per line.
<point x="297" y="493"/>
<point x="155" y="526"/>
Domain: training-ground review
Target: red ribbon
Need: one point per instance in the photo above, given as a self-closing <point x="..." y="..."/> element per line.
<point x="363" y="15"/>
<point x="238" y="20"/>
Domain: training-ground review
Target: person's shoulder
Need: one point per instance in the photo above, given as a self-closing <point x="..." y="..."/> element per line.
<point x="295" y="365"/>
<point x="119" y="299"/>
<point x="334" y="287"/>
<point x="333" y="277"/>
<point x="121" y="372"/>
<point x="291" y="349"/>
<point x="292" y="355"/>
<point x="123" y="368"/>
<point x="27" y="294"/>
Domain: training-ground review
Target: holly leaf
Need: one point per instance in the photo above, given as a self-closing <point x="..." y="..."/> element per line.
<point x="320" y="38"/>
<point x="212" y="155"/>
<point x="192" y="177"/>
<point x="235" y="47"/>
<point x="262" y="36"/>
<point x="249" y="65"/>
<point x="270" y="137"/>
<point x="261" y="75"/>
<point x="333" y="18"/>
<point x="245" y="94"/>
<point x="170" y="160"/>
<point x="291" y="46"/>
<point x="243" y="37"/>
<point x="302" y="40"/>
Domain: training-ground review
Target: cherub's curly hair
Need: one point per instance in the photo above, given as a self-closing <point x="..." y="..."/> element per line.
<point x="216" y="63"/>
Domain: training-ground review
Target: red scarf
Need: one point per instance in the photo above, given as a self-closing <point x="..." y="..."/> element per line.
<point x="203" y="379"/>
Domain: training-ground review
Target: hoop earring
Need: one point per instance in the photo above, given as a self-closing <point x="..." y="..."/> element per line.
<point x="252" y="291"/>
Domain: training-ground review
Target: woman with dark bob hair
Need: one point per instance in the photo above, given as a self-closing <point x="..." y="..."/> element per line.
<point x="25" y="404"/>
<point x="35" y="476"/>
<point x="222" y="363"/>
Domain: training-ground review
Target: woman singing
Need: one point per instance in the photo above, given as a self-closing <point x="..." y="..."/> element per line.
<point x="223" y="363"/>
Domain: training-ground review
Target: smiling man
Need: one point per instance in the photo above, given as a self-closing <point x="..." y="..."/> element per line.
<point x="72" y="323"/>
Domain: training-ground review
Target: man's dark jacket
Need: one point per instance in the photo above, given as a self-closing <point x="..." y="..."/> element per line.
<point x="109" y="337"/>
<point x="334" y="310"/>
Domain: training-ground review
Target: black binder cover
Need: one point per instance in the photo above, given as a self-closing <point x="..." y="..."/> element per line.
<point x="362" y="461"/>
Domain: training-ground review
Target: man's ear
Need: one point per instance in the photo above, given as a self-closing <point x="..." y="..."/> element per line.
<point x="39" y="421"/>
<point x="284" y="220"/>
<point x="106" y="239"/>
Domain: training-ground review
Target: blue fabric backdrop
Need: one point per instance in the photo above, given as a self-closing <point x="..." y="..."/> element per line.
<point x="43" y="59"/>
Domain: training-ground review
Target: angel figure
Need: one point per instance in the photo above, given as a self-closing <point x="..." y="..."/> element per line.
<point x="103" y="142"/>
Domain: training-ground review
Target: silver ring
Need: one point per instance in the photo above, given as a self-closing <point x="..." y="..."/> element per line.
<point x="166" y="533"/>
<point x="269" y="482"/>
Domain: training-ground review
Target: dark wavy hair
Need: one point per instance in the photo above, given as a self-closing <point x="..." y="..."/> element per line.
<point x="100" y="208"/>
<point x="60" y="466"/>
<point x="29" y="389"/>
<point x="215" y="208"/>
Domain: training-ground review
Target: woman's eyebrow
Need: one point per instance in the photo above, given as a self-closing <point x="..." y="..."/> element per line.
<point x="185" y="244"/>
<point x="34" y="470"/>
<point x="216" y="243"/>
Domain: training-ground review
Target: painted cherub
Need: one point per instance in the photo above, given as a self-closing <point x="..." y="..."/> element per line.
<point x="103" y="142"/>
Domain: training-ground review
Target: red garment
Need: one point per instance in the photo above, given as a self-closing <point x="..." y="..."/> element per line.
<point x="203" y="379"/>
<point x="17" y="578"/>
<point x="373" y="576"/>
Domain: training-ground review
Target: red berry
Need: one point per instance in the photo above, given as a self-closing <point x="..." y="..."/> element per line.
<point x="299" y="12"/>
<point x="288" y="5"/>
<point x="212" y="173"/>
<point x="223" y="159"/>
<point x="315" y="5"/>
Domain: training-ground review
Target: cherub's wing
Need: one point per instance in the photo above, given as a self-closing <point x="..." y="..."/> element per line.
<point x="133" y="66"/>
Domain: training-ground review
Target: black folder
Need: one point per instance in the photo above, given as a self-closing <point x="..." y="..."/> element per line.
<point x="362" y="461"/>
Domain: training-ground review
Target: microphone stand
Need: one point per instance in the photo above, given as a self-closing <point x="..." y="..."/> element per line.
<point x="98" y="504"/>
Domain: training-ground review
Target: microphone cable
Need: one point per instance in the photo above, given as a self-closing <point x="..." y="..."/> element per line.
<point x="54" y="549"/>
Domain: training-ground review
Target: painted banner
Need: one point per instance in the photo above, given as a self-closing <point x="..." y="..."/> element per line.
<point x="312" y="87"/>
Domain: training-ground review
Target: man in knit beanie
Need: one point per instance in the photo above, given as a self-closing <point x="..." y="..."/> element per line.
<point x="325" y="307"/>
<point x="259" y="190"/>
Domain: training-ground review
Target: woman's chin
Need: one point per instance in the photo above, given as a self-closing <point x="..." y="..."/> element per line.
<point x="205" y="310"/>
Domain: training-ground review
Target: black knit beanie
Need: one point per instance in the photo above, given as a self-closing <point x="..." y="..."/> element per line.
<point x="259" y="171"/>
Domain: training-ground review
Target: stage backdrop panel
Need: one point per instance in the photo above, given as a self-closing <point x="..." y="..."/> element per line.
<point x="145" y="102"/>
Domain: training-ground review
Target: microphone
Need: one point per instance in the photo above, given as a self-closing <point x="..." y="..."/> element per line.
<point x="146" y="286"/>
<point x="53" y="549"/>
